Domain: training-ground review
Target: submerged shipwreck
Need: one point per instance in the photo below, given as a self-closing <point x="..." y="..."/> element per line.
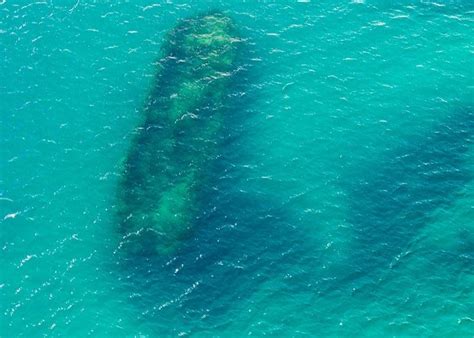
<point x="168" y="163"/>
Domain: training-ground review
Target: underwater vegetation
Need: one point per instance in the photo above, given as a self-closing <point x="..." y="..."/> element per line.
<point x="167" y="166"/>
<point x="391" y="202"/>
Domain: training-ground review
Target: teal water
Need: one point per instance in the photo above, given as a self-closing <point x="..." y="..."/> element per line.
<point x="342" y="199"/>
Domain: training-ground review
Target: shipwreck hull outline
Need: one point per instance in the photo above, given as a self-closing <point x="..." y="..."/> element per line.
<point x="168" y="164"/>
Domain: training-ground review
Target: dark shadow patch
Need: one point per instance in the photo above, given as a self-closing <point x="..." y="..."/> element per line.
<point x="396" y="196"/>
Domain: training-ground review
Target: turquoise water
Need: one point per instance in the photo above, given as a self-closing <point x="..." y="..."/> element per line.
<point x="342" y="198"/>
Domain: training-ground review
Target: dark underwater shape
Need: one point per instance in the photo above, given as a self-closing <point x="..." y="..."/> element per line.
<point x="167" y="165"/>
<point x="396" y="198"/>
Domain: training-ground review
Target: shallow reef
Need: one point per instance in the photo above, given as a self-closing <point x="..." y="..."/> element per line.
<point x="169" y="160"/>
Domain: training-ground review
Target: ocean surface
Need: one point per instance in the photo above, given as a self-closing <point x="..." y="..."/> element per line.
<point x="342" y="196"/>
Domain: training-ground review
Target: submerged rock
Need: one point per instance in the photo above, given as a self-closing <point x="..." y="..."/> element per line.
<point x="168" y="163"/>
